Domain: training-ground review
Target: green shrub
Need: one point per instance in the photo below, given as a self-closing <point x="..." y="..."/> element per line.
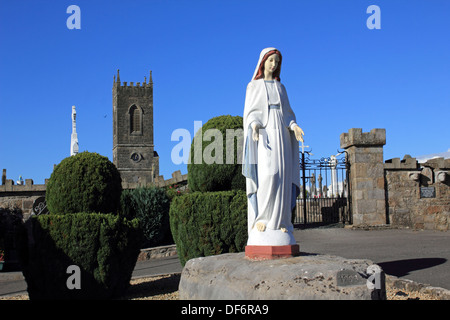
<point x="86" y="182"/>
<point x="176" y="190"/>
<point x="151" y="206"/>
<point x="209" y="223"/>
<point x="217" y="176"/>
<point x="10" y="220"/>
<point x="105" y="247"/>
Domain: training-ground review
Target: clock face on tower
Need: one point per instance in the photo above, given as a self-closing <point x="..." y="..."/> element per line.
<point x="136" y="157"/>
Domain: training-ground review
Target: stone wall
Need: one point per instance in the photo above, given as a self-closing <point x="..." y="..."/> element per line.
<point x="418" y="194"/>
<point x="157" y="252"/>
<point x="21" y="196"/>
<point x="24" y="196"/>
<point x="402" y="193"/>
<point x="159" y="181"/>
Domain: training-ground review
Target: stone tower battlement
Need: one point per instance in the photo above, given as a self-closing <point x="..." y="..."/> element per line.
<point x="136" y="89"/>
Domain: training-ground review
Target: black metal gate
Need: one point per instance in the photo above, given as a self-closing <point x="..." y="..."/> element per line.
<point x="325" y="191"/>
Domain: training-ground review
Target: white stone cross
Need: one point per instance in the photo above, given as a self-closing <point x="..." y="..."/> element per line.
<point x="303" y="147"/>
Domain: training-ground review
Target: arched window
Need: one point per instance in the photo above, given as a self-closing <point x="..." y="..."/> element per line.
<point x="135" y="120"/>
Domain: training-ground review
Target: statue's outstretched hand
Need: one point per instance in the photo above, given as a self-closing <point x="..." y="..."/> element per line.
<point x="299" y="133"/>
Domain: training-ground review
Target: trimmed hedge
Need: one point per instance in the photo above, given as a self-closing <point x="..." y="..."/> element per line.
<point x="86" y="182"/>
<point x="209" y="223"/>
<point x="151" y="206"/>
<point x="10" y="221"/>
<point x="217" y="176"/>
<point x="105" y="247"/>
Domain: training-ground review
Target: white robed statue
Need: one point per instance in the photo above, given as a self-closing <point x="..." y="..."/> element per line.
<point x="271" y="155"/>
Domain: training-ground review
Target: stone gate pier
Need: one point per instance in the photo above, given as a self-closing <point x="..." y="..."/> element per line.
<point x="366" y="179"/>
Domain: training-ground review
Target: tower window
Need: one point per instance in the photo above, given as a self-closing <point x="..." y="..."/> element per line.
<point x="135" y="120"/>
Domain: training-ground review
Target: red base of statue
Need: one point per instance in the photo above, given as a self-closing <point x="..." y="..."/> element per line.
<point x="271" y="252"/>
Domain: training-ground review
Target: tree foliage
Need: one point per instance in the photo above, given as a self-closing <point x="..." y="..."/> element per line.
<point x="151" y="206"/>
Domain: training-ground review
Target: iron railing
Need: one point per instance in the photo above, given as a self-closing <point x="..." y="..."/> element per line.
<point x="325" y="192"/>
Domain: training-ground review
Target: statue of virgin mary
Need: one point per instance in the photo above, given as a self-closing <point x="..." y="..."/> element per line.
<point x="271" y="155"/>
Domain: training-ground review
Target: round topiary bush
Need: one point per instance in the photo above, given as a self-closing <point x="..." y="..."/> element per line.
<point x="86" y="182"/>
<point x="218" y="144"/>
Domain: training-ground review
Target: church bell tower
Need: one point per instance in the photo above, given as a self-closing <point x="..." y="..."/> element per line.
<point x="133" y="146"/>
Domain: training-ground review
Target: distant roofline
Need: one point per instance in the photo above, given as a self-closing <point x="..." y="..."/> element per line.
<point x="425" y="158"/>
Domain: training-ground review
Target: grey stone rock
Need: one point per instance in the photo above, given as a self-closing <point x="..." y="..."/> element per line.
<point x="233" y="277"/>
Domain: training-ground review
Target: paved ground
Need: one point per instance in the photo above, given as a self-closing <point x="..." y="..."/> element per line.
<point x="157" y="267"/>
<point x="421" y="256"/>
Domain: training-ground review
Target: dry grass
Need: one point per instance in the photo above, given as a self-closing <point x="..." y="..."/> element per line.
<point x="396" y="294"/>
<point x="154" y="288"/>
<point x="165" y="287"/>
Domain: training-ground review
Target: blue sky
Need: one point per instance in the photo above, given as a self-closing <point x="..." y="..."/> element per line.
<point x="338" y="73"/>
